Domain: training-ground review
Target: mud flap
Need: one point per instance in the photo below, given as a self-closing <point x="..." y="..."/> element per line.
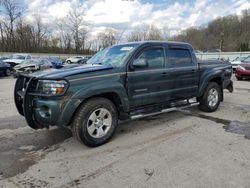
<point x="230" y="87"/>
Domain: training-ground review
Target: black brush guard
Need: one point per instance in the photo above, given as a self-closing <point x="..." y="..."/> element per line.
<point x="23" y="101"/>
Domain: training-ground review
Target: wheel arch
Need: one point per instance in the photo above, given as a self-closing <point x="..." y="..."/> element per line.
<point x="114" y="97"/>
<point x="216" y="79"/>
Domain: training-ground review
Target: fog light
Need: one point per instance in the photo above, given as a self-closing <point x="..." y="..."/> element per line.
<point x="45" y="112"/>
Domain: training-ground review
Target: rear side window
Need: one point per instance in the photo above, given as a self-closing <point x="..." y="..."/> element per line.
<point x="154" y="57"/>
<point x="179" y="57"/>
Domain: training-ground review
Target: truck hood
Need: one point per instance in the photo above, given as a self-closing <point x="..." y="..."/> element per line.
<point x="70" y="70"/>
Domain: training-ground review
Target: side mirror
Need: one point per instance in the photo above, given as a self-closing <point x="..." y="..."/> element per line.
<point x="140" y="63"/>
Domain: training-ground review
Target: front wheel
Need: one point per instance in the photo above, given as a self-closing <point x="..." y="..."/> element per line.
<point x="95" y="122"/>
<point x="210" y="100"/>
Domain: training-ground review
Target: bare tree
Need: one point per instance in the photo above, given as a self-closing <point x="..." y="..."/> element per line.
<point x="154" y="33"/>
<point x="108" y="37"/>
<point x="145" y="32"/>
<point x="76" y="24"/>
<point x="39" y="31"/>
<point x="12" y="11"/>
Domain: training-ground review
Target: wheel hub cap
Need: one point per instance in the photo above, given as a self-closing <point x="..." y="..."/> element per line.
<point x="213" y="97"/>
<point x="99" y="123"/>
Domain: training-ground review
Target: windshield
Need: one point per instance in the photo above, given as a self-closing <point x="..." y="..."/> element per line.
<point x="16" y="56"/>
<point x="114" y="56"/>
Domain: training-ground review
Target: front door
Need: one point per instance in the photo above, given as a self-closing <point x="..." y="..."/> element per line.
<point x="147" y="84"/>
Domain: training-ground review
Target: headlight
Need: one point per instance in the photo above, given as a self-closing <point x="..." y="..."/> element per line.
<point x="241" y="68"/>
<point x="52" y="87"/>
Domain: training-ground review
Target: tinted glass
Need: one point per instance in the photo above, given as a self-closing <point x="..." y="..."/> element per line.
<point x="179" y="57"/>
<point x="154" y="57"/>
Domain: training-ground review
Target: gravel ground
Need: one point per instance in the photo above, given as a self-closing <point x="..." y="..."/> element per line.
<point x="187" y="148"/>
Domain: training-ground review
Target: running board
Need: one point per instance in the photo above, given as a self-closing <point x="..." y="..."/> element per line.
<point x="164" y="111"/>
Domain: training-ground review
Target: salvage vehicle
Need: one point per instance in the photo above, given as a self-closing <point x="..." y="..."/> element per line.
<point x="5" y="68"/>
<point x="125" y="81"/>
<point x="16" y="59"/>
<point x="56" y="62"/>
<point x="243" y="70"/>
<point x="29" y="66"/>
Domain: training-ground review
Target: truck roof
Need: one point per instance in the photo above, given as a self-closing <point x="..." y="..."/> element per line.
<point x="156" y="42"/>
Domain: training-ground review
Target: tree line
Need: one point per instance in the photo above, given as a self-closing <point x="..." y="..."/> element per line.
<point x="72" y="34"/>
<point x="229" y="33"/>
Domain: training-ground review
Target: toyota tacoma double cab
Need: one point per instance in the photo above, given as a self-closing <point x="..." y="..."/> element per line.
<point x="125" y="81"/>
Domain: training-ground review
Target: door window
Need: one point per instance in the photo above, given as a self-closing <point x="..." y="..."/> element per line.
<point x="154" y="58"/>
<point x="179" y="57"/>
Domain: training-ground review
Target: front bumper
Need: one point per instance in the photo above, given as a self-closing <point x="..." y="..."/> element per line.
<point x="41" y="112"/>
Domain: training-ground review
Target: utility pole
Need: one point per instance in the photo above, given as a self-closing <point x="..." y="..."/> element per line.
<point x="221" y="40"/>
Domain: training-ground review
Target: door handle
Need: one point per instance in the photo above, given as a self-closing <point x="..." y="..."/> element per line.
<point x="164" y="74"/>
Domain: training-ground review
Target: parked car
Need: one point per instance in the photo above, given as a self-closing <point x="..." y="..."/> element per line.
<point x="16" y="59"/>
<point x="3" y="58"/>
<point x="74" y="59"/>
<point x="56" y="62"/>
<point x="125" y="81"/>
<point x="5" y="68"/>
<point x="236" y="62"/>
<point x="32" y="65"/>
<point x="243" y="70"/>
<point x="84" y="60"/>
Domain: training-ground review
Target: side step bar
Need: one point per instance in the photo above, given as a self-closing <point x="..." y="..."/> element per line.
<point x="137" y="116"/>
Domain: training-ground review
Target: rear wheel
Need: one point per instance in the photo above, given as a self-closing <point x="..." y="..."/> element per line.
<point x="7" y="72"/>
<point x="69" y="62"/>
<point x="95" y="122"/>
<point x="210" y="100"/>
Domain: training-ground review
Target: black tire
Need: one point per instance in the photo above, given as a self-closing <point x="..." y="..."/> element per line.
<point x="69" y="62"/>
<point x="7" y="72"/>
<point x="81" y="121"/>
<point x="204" y="99"/>
<point x="239" y="78"/>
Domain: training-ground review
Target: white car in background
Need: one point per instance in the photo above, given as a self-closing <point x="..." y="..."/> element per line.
<point x="74" y="59"/>
<point x="237" y="61"/>
<point x="16" y="59"/>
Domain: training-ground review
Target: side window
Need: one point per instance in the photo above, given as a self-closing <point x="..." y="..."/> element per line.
<point x="153" y="57"/>
<point x="28" y="57"/>
<point x="179" y="57"/>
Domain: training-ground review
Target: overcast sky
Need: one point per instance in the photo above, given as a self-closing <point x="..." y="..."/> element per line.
<point x="128" y="14"/>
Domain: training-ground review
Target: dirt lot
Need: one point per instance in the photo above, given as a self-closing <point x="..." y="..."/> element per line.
<point x="179" y="149"/>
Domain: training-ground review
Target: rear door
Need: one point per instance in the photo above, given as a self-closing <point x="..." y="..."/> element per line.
<point x="147" y="85"/>
<point x="184" y="70"/>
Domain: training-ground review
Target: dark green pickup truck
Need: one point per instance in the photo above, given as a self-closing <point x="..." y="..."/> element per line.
<point x="124" y="81"/>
